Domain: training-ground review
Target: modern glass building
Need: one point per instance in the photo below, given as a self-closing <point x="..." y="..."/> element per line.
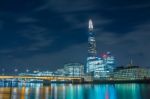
<point x="91" y="59"/>
<point x="108" y="61"/>
<point x="100" y="71"/>
<point x="74" y="69"/>
<point x="131" y="73"/>
<point x="60" y="72"/>
<point x="105" y="66"/>
<point x="96" y="66"/>
<point x="43" y="73"/>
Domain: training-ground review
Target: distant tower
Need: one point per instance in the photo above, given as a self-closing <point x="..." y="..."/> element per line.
<point x="131" y="62"/>
<point x="91" y="63"/>
<point x="91" y="41"/>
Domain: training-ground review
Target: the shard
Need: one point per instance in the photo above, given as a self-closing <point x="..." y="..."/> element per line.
<point x="91" y="49"/>
<point x="91" y="41"/>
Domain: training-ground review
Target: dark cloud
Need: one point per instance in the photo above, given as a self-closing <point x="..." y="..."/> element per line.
<point x="26" y="20"/>
<point x="134" y="44"/>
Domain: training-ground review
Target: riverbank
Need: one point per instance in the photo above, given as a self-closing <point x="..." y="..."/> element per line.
<point x="118" y="81"/>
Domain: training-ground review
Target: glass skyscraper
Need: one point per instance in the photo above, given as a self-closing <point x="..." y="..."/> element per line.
<point x="98" y="67"/>
<point x="91" y="59"/>
<point x="91" y="41"/>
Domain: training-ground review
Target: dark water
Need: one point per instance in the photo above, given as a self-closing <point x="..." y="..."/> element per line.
<point x="69" y="91"/>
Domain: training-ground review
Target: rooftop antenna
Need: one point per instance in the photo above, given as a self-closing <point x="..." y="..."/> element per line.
<point x="131" y="62"/>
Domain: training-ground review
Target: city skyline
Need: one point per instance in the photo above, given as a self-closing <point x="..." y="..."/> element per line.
<point x="46" y="34"/>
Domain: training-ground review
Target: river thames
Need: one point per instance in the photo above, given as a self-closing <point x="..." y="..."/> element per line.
<point x="75" y="91"/>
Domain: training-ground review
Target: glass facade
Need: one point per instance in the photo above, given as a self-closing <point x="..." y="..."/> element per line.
<point x="101" y="67"/>
<point x="96" y="66"/>
<point x="131" y="73"/>
<point x="91" y="59"/>
<point x="60" y="72"/>
<point x="91" y="45"/>
<point x="109" y="62"/>
<point x="100" y="71"/>
<point x="74" y="69"/>
<point x="43" y="73"/>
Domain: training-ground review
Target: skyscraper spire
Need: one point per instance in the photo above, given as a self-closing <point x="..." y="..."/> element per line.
<point x="90" y="25"/>
<point x="91" y="40"/>
<point x="90" y="67"/>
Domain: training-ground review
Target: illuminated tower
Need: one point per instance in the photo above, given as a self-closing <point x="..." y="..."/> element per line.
<point x="91" y="41"/>
<point x="91" y="59"/>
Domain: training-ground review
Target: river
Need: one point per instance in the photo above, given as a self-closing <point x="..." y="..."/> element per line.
<point x="75" y="91"/>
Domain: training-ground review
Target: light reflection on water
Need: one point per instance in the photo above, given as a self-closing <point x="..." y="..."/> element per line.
<point x="69" y="91"/>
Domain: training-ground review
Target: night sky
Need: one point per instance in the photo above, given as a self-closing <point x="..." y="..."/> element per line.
<point x="46" y="34"/>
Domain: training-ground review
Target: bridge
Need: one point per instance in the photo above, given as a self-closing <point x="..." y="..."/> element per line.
<point x="45" y="78"/>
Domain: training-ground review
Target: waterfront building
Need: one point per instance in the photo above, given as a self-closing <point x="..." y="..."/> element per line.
<point x="36" y="71"/>
<point x="74" y="69"/>
<point x="109" y="62"/>
<point x="104" y="66"/>
<point x="98" y="67"/>
<point x="91" y="41"/>
<point x="131" y="73"/>
<point x="60" y="72"/>
<point x="43" y="73"/>
<point x="100" y="71"/>
<point x="90" y="66"/>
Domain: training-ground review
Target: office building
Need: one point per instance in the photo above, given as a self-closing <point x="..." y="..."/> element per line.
<point x="131" y="73"/>
<point x="74" y="69"/>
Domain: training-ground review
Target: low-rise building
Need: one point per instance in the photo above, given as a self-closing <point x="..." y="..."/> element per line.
<point x="59" y="72"/>
<point x="74" y="69"/>
<point x="131" y="73"/>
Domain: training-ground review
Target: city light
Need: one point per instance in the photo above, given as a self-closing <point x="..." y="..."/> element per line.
<point x="97" y="68"/>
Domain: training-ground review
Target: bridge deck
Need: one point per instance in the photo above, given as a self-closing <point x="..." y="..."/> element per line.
<point x="42" y="77"/>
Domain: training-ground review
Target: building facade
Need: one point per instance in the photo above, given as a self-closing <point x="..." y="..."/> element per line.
<point x="131" y="73"/>
<point x="60" y="72"/>
<point x="96" y="66"/>
<point x="74" y="69"/>
<point x="91" y="59"/>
